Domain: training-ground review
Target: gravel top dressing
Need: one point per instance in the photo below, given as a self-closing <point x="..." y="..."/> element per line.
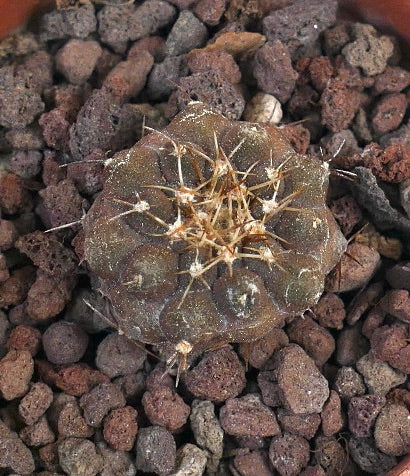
<point x="204" y="242"/>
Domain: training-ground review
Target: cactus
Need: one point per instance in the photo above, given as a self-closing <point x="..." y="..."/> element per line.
<point x="210" y="231"/>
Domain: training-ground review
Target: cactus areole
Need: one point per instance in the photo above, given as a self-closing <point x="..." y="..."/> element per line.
<point x="210" y="231"/>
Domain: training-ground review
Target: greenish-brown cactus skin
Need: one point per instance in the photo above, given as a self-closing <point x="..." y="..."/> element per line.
<point x="211" y="231"/>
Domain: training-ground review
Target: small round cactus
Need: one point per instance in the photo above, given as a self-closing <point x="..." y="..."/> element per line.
<point x="211" y="231"/>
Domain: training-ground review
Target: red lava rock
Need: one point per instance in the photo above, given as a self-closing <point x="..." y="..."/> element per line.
<point x="55" y="129"/>
<point x="289" y="454"/>
<point x="48" y="254"/>
<point x="166" y="408"/>
<point x="397" y="303"/>
<point x="213" y="90"/>
<point x="351" y="346"/>
<point x="391" y="164"/>
<point x="117" y="355"/>
<point x="257" y="353"/>
<point x="329" y="311"/>
<point x="48" y="457"/>
<point x="120" y="23"/>
<point x="52" y="173"/>
<point x="318" y="343"/>
<point x="252" y="463"/>
<point x="389" y="113"/>
<point x="155" y="45"/>
<point x="15" y="455"/>
<point x="362" y="413"/>
<point x="303" y="389"/>
<point x="62" y="204"/>
<point x="159" y="377"/>
<point x="393" y="80"/>
<point x="200" y="61"/>
<point x="210" y="11"/>
<point x="20" y="103"/>
<point x="320" y="71"/>
<point x="347" y="213"/>
<point x="26" y="139"/>
<point x="120" y="428"/>
<point x="71" y="423"/>
<point x="301" y="102"/>
<point x="248" y="416"/>
<point x="8" y="234"/>
<point x="273" y="70"/>
<point x="392" y="430"/>
<point x="35" y="403"/>
<point x="299" y="425"/>
<point x="128" y="77"/>
<point x="218" y="376"/>
<point x="78" y="379"/>
<point x="299" y="25"/>
<point x="348" y="383"/>
<point x="60" y="24"/>
<point x="298" y="136"/>
<point x="391" y="344"/>
<point x="368" y="297"/>
<point x="64" y="342"/>
<point x="16" y="370"/>
<point x="332" y="416"/>
<point x="48" y="296"/>
<point x="186" y="34"/>
<point x="339" y="105"/>
<point x="38" y="434"/>
<point x="399" y="396"/>
<point x="354" y="272"/>
<point x="330" y="454"/>
<point x="26" y="163"/>
<point x="155" y="450"/>
<point x="14" y="290"/>
<point x="88" y="177"/>
<point x="14" y="197"/>
<point x="335" y="38"/>
<point x="99" y="401"/>
<point x="77" y="59"/>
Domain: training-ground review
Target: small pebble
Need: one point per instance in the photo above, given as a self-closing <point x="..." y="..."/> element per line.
<point x="348" y="383"/>
<point x="392" y="430"/>
<point x="379" y="376"/>
<point x="78" y="456"/>
<point x="78" y="379"/>
<point x="263" y="107"/>
<point x="15" y="455"/>
<point x="351" y="345"/>
<point x="207" y="430"/>
<point x="388" y="113"/>
<point x="248" y="416"/>
<point x="120" y="428"/>
<point x="252" y="463"/>
<point x="37" y="434"/>
<point x="218" y="376"/>
<point x="16" y="370"/>
<point x="332" y="416"/>
<point x="64" y="343"/>
<point x="329" y="311"/>
<point x="24" y="337"/>
<point x="289" y="454"/>
<point x="191" y="461"/>
<point x="186" y="34"/>
<point x="155" y="450"/>
<point x="273" y="71"/>
<point x="362" y="413"/>
<point x="210" y="11"/>
<point x="77" y="59"/>
<point x="303" y="388"/>
<point x="304" y="425"/>
<point x="35" y="403"/>
<point x="71" y="422"/>
<point x="368" y="457"/>
<point x="166" y="408"/>
<point x="97" y="403"/>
